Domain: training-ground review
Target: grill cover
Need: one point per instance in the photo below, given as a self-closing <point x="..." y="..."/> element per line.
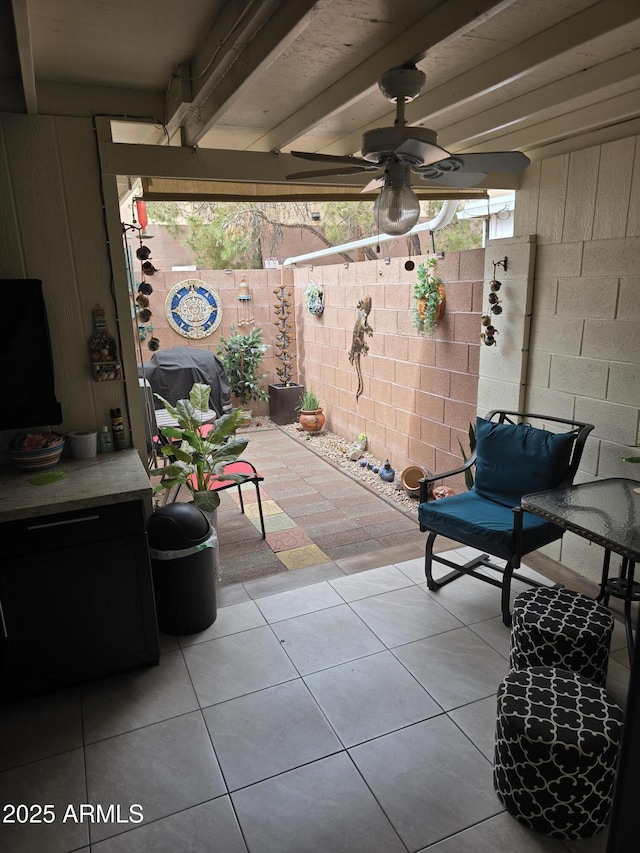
<point x="173" y="372"/>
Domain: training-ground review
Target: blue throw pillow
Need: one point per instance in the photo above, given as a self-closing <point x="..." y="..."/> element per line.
<point x="516" y="459"/>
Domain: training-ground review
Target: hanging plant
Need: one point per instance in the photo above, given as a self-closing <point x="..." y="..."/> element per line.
<point x="314" y="298"/>
<point x="429" y="297"/>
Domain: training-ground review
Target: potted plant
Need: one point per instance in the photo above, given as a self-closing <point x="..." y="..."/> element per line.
<point x="199" y="453"/>
<point x="311" y="417"/>
<point x="429" y="297"/>
<point x="241" y="357"/>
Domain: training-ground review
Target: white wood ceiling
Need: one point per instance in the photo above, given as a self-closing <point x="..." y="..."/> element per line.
<point x="539" y="76"/>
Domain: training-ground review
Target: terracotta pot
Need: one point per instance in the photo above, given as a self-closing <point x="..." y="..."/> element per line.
<point x="410" y="478"/>
<point x="312" y="421"/>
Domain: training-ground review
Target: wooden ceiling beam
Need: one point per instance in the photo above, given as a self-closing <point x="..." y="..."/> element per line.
<point x="440" y="26"/>
<point x="569" y="35"/>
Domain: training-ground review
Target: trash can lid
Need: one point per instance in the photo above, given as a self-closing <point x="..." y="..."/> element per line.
<point x="177" y="526"/>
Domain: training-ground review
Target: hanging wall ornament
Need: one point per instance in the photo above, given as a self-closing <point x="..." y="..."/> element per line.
<point x="245" y="316"/>
<point x="193" y="308"/>
<point x="488" y="335"/>
<point x="314" y="298"/>
<point x="102" y="349"/>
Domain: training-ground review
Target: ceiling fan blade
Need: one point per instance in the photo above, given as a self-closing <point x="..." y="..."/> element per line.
<point x="323" y="173"/>
<point x="374" y="184"/>
<point x="456" y="180"/>
<point x="490" y="161"/>
<point x="334" y="158"/>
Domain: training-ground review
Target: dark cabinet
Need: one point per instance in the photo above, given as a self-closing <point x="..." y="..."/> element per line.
<point x="76" y="597"/>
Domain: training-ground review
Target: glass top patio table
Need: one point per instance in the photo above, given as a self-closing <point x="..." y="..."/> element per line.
<point x="608" y="512"/>
<point x="603" y="511"/>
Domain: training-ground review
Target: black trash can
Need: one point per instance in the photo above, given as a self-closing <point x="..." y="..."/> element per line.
<point x="183" y="550"/>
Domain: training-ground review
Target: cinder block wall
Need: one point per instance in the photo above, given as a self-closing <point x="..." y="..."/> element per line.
<point x="419" y="393"/>
<point x="584" y="356"/>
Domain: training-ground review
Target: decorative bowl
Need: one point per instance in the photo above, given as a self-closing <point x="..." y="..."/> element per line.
<point x="37" y="458"/>
<point x="410" y="478"/>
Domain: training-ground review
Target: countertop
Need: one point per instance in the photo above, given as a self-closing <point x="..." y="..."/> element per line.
<point x="115" y="477"/>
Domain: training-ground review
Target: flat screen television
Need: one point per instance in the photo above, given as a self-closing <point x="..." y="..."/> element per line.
<point x="27" y="388"/>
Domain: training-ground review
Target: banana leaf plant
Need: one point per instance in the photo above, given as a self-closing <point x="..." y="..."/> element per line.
<point x="198" y="452"/>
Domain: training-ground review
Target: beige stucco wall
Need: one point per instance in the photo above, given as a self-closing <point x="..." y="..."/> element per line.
<point x="584" y="348"/>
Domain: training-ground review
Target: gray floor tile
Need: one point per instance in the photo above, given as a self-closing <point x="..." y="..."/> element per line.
<point x="126" y="702"/>
<point x="164" y="768"/>
<point x="296" y="602"/>
<point x="456" y="668"/>
<point x="240" y="663"/>
<point x="326" y="638"/>
<point x="229" y="620"/>
<point x="373" y="582"/>
<point x="268" y="732"/>
<point x="292" y="580"/>
<point x="404" y="615"/>
<point x="478" y="721"/>
<point x="58" y="781"/>
<point x="38" y="728"/>
<point x="495" y="633"/>
<point x="429" y="780"/>
<point x="211" y="826"/>
<point x="369" y="697"/>
<point x="413" y="569"/>
<point x="322" y="807"/>
<point x="500" y="834"/>
<point x="468" y="598"/>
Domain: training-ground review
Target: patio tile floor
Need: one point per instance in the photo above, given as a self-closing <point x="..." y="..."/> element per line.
<point x="351" y="712"/>
<point x="337" y="707"/>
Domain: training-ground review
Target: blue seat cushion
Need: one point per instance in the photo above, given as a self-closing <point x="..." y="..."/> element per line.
<point x="516" y="459"/>
<point x="485" y="524"/>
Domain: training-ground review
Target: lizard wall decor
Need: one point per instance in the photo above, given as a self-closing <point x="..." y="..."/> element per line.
<point x="358" y="344"/>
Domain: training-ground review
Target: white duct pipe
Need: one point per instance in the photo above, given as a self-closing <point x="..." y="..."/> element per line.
<point x="444" y="217"/>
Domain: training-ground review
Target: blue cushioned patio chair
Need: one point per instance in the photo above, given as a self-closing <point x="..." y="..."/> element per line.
<point x="512" y="458"/>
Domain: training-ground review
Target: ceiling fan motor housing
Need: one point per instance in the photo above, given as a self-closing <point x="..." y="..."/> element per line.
<point x="412" y="145"/>
<point x="403" y="82"/>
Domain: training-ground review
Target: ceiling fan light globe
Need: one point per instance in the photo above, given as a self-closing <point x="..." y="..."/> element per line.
<point x="396" y="210"/>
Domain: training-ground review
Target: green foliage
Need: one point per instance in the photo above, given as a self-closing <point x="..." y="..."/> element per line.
<point x="426" y="288"/>
<point x="199" y="455"/>
<point x="468" y="474"/>
<point x="309" y="401"/>
<point x="241" y="357"/>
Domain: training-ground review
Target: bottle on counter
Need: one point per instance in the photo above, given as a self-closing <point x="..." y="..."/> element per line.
<point x="117" y="426"/>
<point x="106" y="442"/>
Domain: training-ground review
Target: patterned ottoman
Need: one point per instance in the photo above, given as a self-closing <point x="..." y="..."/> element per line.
<point x="557" y="739"/>
<point x="561" y="628"/>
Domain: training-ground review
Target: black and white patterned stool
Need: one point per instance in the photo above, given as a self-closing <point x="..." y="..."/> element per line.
<point x="561" y="628"/>
<point x="557" y="738"/>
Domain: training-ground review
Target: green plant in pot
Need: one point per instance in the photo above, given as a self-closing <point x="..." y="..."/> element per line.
<point x="241" y="356"/>
<point x="311" y="417"/>
<point x="198" y="454"/>
<point x="428" y="292"/>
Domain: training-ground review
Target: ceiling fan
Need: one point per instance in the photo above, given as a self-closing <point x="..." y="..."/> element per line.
<point x="401" y="150"/>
